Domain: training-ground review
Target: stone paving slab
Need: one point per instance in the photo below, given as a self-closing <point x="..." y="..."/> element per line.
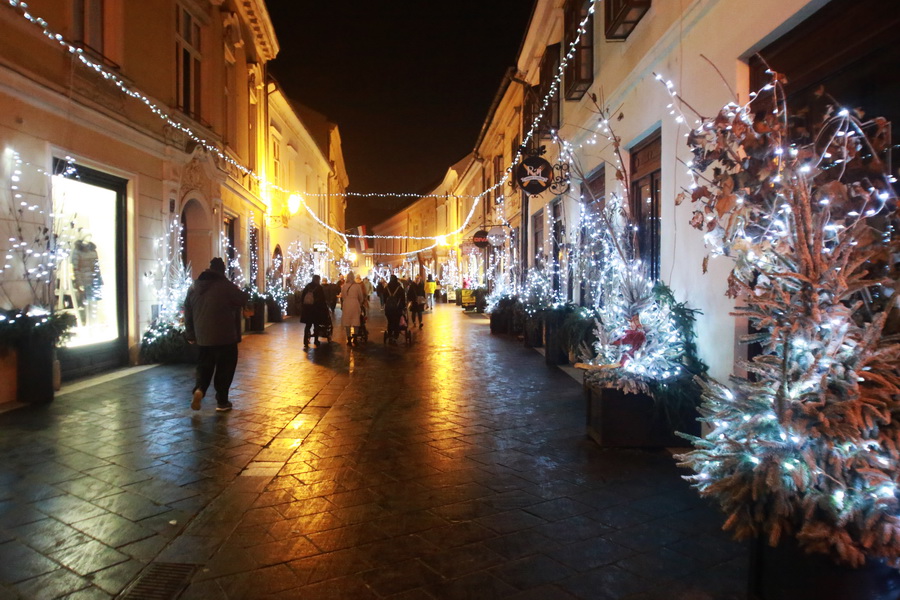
<point x="454" y="468"/>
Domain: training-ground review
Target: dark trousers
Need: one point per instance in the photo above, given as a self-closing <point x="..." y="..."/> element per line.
<point x="221" y="360"/>
<point x="307" y="332"/>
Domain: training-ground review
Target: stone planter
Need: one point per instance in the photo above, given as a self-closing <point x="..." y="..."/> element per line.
<point x="617" y="419"/>
<point x="786" y="572"/>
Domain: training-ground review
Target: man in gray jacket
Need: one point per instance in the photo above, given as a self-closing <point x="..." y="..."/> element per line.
<point x="212" y="320"/>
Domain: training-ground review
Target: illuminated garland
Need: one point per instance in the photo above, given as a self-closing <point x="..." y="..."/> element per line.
<point x="155" y="108"/>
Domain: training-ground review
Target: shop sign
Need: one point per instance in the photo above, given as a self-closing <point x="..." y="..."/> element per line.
<point x="496" y="236"/>
<point x="480" y="238"/>
<point x="534" y="174"/>
<point x="320" y="247"/>
<point x="468" y="297"/>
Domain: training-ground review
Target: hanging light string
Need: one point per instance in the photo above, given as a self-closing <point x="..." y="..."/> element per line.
<point x="155" y="108"/>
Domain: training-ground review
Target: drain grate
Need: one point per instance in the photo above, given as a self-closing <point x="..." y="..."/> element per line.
<point x="159" y="581"/>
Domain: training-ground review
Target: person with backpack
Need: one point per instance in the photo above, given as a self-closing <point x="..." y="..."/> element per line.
<point x="416" y="297"/>
<point x="313" y="310"/>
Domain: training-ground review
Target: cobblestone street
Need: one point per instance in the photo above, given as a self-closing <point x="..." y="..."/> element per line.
<point x="455" y="468"/>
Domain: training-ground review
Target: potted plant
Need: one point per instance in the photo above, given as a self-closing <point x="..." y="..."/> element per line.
<point x="577" y="331"/>
<point x="802" y="453"/>
<point x="639" y="384"/>
<point x="501" y="312"/>
<point x="32" y="334"/>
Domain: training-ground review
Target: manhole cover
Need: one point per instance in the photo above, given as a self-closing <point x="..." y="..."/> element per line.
<point x="159" y="581"/>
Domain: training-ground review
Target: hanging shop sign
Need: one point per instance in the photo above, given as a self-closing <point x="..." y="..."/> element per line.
<point x="320" y="247"/>
<point x="534" y="174"/>
<point x="496" y="236"/>
<point x="481" y="239"/>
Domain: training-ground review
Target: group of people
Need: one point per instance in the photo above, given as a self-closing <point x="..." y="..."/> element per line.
<point x="214" y="308"/>
<point x="319" y="301"/>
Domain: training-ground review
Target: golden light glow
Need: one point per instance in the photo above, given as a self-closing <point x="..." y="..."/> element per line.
<point x="441" y="240"/>
<point x="294" y="202"/>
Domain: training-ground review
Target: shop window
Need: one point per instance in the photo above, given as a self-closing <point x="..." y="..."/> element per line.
<point x="622" y="16"/>
<point x="579" y="71"/>
<point x="645" y="202"/>
<point x="90" y="279"/>
<point x="188" y="61"/>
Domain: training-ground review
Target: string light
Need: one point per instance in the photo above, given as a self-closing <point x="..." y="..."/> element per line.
<point x="157" y="109"/>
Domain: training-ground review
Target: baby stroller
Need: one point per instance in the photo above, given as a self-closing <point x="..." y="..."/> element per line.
<point x="325" y="329"/>
<point x="361" y="333"/>
<point x="403" y="329"/>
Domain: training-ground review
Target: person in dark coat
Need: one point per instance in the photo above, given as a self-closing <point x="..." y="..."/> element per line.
<point x="313" y="309"/>
<point x="379" y="289"/>
<point x="331" y="294"/>
<point x="394" y="304"/>
<point x="416" y="296"/>
<point x="212" y="320"/>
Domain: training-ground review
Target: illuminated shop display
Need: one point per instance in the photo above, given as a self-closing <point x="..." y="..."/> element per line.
<point x="86" y="279"/>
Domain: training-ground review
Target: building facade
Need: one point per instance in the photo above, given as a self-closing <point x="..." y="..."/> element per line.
<point x="711" y="52"/>
<point x="140" y="136"/>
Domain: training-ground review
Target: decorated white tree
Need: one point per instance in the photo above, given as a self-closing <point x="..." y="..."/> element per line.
<point x="807" y="445"/>
<point x="164" y="338"/>
<point x="644" y="337"/>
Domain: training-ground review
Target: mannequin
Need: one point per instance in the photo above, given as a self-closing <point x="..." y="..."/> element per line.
<point x="86" y="276"/>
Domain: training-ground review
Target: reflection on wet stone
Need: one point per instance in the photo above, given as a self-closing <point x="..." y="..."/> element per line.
<point x="455" y="468"/>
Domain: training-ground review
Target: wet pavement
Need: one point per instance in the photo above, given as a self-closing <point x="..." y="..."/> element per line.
<point x="457" y="467"/>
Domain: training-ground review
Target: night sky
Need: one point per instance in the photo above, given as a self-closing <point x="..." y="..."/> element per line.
<point x="408" y="82"/>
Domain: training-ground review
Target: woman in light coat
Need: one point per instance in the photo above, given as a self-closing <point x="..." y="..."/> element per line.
<point x="352" y="297"/>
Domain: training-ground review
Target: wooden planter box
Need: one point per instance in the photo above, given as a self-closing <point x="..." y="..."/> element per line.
<point x="273" y="309"/>
<point x="617" y="419"/>
<point x="534" y="332"/>
<point x="257" y="322"/>
<point x="35" y="370"/>
<point x="555" y="352"/>
<point x="9" y="379"/>
<point x="788" y="573"/>
<point x="500" y="321"/>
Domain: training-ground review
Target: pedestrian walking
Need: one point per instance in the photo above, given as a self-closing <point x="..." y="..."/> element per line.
<point x="352" y="299"/>
<point x="394" y="303"/>
<point x="331" y="291"/>
<point x="212" y="320"/>
<point x="314" y="311"/>
<point x="379" y="289"/>
<point x="430" y="287"/>
<point x="416" y="297"/>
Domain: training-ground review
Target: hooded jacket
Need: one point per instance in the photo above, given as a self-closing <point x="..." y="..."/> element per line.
<point x="212" y="310"/>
